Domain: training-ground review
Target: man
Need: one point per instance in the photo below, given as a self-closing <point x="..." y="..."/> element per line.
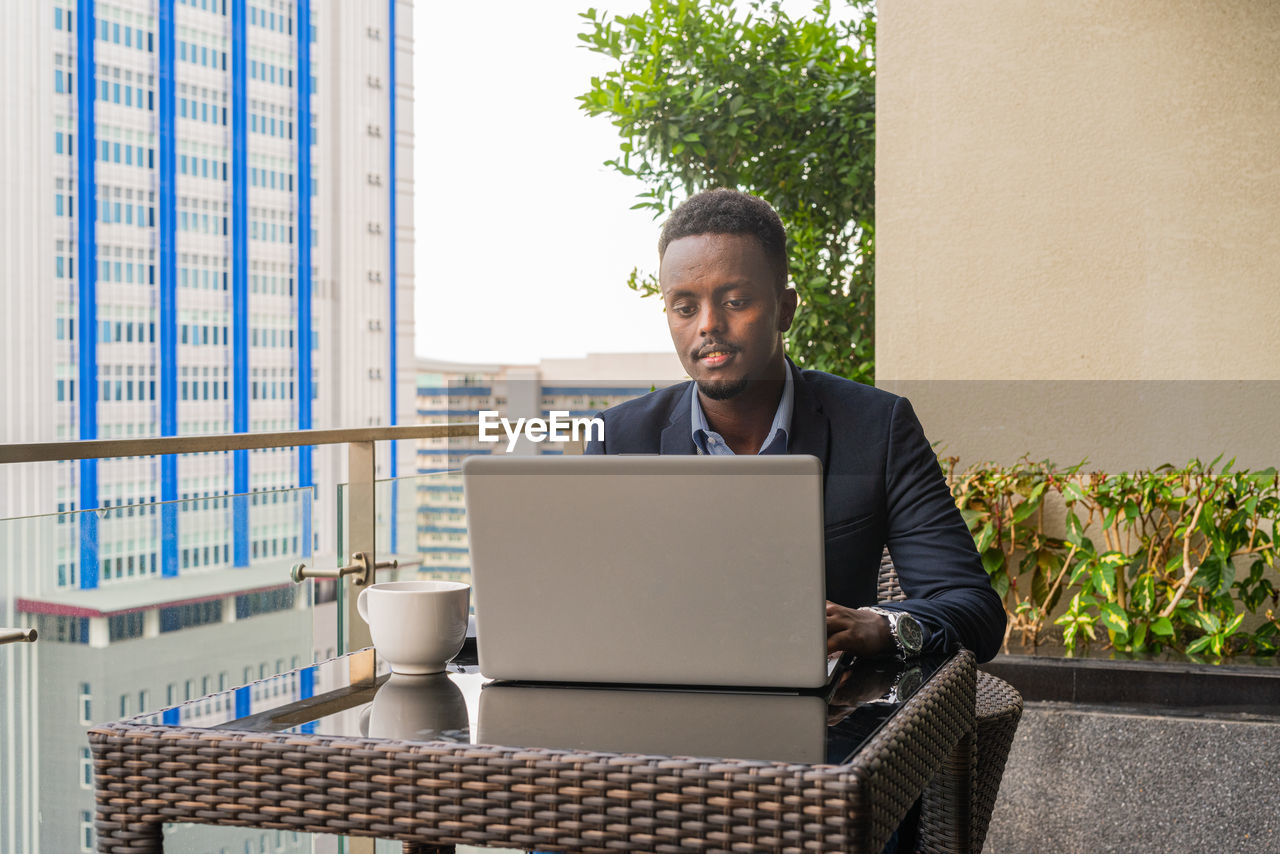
<point x="723" y="278"/>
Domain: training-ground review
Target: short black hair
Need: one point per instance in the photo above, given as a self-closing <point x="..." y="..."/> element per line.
<point x="725" y="211"/>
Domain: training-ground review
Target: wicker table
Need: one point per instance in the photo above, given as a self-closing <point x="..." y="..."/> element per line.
<point x="256" y="757"/>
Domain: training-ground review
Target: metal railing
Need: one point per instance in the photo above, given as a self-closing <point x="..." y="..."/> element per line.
<point x="17" y="636"/>
<point x="361" y="516"/>
<point x="103" y="449"/>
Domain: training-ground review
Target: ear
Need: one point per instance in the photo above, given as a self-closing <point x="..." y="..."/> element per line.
<point x="787" y="301"/>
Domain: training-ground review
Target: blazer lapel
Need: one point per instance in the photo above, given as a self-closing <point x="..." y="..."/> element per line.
<point x="677" y="436"/>
<point x="810" y="427"/>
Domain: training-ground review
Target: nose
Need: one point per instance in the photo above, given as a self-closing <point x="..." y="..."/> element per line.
<point x="710" y="320"/>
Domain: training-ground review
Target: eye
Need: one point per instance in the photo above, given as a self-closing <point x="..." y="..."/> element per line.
<point x="737" y="302"/>
<point x="684" y="309"/>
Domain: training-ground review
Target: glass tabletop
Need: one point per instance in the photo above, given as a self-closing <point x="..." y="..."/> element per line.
<point x="355" y="696"/>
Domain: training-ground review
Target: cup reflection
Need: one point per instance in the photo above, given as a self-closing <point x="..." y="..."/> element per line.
<point x="420" y="707"/>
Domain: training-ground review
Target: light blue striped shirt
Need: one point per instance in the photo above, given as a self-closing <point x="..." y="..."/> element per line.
<point x="713" y="444"/>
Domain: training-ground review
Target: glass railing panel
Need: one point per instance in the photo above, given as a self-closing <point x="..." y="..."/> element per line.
<point x="420" y="521"/>
<point x="140" y="607"/>
<point x="427" y="519"/>
<point x="439" y="527"/>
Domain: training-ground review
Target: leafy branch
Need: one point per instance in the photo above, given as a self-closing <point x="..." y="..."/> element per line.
<point x="715" y="93"/>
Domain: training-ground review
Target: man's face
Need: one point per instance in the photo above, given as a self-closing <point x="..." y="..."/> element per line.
<point x="725" y="311"/>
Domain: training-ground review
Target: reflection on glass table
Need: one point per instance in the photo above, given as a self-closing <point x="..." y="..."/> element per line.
<point x="336" y="698"/>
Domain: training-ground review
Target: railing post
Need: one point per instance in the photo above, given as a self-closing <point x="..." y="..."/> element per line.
<point x="361" y="533"/>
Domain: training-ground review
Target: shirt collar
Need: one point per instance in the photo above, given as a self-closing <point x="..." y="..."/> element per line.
<point x="779" y="430"/>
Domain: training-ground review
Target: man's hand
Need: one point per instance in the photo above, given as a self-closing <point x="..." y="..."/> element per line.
<point x="862" y="633"/>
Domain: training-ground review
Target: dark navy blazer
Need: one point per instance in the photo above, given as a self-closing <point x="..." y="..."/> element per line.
<point x="882" y="485"/>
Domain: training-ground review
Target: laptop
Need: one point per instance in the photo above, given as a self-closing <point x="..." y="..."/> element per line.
<point x="649" y="570"/>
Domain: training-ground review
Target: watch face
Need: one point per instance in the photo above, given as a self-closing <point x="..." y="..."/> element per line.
<point x="909" y="681"/>
<point x="910" y="634"/>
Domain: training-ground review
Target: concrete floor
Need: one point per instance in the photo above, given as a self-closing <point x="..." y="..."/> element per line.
<point x="1089" y="780"/>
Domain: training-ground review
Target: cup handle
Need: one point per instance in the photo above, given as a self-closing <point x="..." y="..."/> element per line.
<point x="361" y="607"/>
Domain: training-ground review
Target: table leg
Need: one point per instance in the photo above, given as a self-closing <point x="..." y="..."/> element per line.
<point x="945" y="804"/>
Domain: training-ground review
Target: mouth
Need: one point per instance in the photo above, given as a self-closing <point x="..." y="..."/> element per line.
<point x="715" y="357"/>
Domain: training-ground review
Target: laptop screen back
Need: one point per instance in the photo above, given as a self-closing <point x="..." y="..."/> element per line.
<point x="666" y="570"/>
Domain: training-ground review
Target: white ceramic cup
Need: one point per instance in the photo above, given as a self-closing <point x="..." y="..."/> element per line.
<point x="416" y="626"/>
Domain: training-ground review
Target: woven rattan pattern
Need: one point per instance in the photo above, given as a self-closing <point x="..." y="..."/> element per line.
<point x="999" y="708"/>
<point x="438" y="793"/>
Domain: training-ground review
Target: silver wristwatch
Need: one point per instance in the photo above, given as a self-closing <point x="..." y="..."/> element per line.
<point x="907" y="634"/>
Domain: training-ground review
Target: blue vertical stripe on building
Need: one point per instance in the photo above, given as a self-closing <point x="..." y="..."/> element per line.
<point x="244" y="702"/>
<point x="240" y="510"/>
<point x="171" y="717"/>
<point x="306" y="689"/>
<point x="393" y="281"/>
<point x="168" y="281"/>
<point x="240" y="276"/>
<point x="87" y="286"/>
<point x="302" y="384"/>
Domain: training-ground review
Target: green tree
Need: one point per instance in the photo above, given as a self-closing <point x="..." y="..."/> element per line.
<point x="718" y="93"/>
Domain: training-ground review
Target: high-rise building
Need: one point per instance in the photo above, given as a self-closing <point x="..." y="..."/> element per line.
<point x="207" y="226"/>
<point x="456" y="392"/>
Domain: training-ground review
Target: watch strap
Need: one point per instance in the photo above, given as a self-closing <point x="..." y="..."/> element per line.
<point x="893" y="617"/>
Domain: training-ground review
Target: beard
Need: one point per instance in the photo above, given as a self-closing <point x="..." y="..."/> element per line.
<point x="723" y="389"/>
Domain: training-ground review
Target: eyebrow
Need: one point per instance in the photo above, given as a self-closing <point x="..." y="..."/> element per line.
<point x="727" y="286"/>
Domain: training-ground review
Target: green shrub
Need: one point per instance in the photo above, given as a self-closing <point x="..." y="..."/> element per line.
<point x="1183" y="555"/>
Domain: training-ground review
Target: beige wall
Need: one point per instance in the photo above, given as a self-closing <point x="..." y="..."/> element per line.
<point x="1084" y="191"/>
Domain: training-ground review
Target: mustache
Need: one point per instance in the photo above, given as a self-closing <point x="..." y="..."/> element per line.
<point x="713" y="347"/>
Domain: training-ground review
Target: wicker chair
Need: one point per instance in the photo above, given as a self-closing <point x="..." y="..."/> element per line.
<point x="998" y="712"/>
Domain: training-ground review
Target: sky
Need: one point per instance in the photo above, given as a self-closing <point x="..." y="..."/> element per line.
<point x="524" y="238"/>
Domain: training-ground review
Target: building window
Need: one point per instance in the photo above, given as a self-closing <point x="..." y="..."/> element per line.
<point x="86" y="768"/>
<point x="86" y="831"/>
<point x="188" y="616"/>
<point x="252" y="604"/>
<point x="125" y="626"/>
<point x="86" y="704"/>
